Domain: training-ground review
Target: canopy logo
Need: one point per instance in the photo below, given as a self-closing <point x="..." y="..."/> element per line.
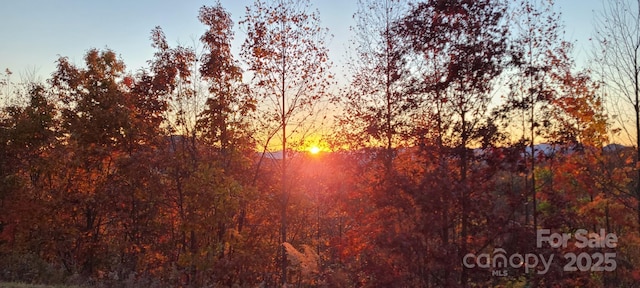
<point x="499" y="261"/>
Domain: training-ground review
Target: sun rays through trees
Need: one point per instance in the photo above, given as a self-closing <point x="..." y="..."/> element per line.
<point x="461" y="135"/>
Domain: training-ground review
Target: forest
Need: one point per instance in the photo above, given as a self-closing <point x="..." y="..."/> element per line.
<point x="463" y="147"/>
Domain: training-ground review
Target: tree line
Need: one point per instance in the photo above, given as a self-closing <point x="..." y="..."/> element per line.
<point x="464" y="127"/>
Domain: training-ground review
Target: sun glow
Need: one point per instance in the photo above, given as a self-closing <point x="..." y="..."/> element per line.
<point x="314" y="150"/>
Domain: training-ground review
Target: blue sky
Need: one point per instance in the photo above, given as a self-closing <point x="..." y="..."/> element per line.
<point x="33" y="33"/>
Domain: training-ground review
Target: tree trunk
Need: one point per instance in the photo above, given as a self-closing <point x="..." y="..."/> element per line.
<point x="464" y="195"/>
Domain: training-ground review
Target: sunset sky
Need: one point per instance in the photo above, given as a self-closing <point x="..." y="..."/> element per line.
<point x="34" y="32"/>
<point x="430" y="157"/>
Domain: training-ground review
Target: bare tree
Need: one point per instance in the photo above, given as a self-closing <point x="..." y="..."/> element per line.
<point x="618" y="57"/>
<point x="537" y="45"/>
<point x="376" y="102"/>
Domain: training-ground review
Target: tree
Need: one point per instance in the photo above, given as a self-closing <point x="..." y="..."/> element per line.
<point x="227" y="148"/>
<point x="27" y="139"/>
<point x="377" y="119"/>
<point x="112" y="124"/>
<point x="618" y="37"/>
<point x="468" y="38"/>
<point x="576" y="111"/>
<point x="94" y="120"/>
<point x="571" y="174"/>
<point x="223" y="123"/>
<point x="377" y="103"/>
<point x="286" y="53"/>
<point x="534" y="54"/>
<point x="168" y="80"/>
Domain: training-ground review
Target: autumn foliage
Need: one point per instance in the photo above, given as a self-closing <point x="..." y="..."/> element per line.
<point x="455" y="133"/>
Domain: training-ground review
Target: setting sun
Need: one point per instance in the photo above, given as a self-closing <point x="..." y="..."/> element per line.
<point x="314" y="150"/>
<point x="303" y="143"/>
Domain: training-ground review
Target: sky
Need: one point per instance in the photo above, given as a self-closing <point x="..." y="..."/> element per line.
<point x="34" y="33"/>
